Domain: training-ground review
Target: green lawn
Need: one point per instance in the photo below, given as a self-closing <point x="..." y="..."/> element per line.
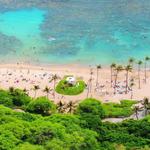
<point x="119" y="110"/>
<point x="66" y="89"/>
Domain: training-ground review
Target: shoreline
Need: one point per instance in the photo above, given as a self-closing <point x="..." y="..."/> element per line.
<point x="47" y="65"/>
<point x="27" y="75"/>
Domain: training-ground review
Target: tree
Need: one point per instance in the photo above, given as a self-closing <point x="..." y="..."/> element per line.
<point x="42" y="106"/>
<point x="112" y="67"/>
<point x="131" y="61"/>
<point x="118" y="69"/>
<point x="89" y="87"/>
<point x="119" y="147"/>
<point x="35" y="88"/>
<point x="78" y="140"/>
<point x="6" y="98"/>
<point x="11" y="89"/>
<point x="146" y="105"/>
<point x="71" y="106"/>
<point x="44" y="131"/>
<point x="28" y="146"/>
<point x="139" y="71"/>
<point x="25" y="91"/>
<point x="7" y="140"/>
<point x="131" y="86"/>
<point x="91" y="79"/>
<point x="97" y="74"/>
<point x="54" y="79"/>
<point x="91" y="111"/>
<point x="61" y="107"/>
<point x="128" y="69"/>
<point x="136" y="110"/>
<point x="91" y="72"/>
<point x="145" y="67"/>
<point x="47" y="91"/>
<point x="19" y="97"/>
<point x="57" y="132"/>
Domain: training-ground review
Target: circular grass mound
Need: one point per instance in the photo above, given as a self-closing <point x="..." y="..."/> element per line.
<point x="65" y="88"/>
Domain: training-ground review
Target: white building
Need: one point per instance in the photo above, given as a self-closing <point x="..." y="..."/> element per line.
<point x="71" y="80"/>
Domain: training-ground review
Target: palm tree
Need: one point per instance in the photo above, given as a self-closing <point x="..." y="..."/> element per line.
<point x="25" y="91"/>
<point x="112" y="67"/>
<point x="88" y="90"/>
<point x="139" y="70"/>
<point x="128" y="69"/>
<point x="71" y="106"/>
<point x="146" y="105"/>
<point x="91" y="73"/>
<point x="35" y="88"/>
<point x="11" y="89"/>
<point x="60" y="107"/>
<point x="47" y="91"/>
<point x="146" y="60"/>
<point x="118" y="69"/>
<point x="131" y="61"/>
<point x="91" y="78"/>
<point x="54" y="78"/>
<point x="131" y="87"/>
<point x="89" y="86"/>
<point x="97" y="77"/>
<point x="136" y="110"/>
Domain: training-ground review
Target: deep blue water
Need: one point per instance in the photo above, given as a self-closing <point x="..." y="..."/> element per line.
<point x="86" y="32"/>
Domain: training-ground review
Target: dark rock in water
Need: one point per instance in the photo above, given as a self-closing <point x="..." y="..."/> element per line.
<point x="9" y="44"/>
<point x="61" y="48"/>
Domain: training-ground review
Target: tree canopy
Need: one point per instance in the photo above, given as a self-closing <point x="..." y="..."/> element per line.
<point x="41" y="127"/>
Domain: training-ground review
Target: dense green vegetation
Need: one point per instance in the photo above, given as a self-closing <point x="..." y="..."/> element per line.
<point x="67" y="89"/>
<point x="42" y="106"/>
<point x="14" y="98"/>
<point x="41" y="127"/>
<point x="123" y="109"/>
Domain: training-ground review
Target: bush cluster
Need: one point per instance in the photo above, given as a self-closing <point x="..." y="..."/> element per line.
<point x="41" y="127"/>
<point x="124" y="109"/>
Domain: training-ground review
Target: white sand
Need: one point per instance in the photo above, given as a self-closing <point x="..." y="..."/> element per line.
<point x="26" y="76"/>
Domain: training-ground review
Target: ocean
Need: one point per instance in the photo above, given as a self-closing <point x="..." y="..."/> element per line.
<point x="75" y="31"/>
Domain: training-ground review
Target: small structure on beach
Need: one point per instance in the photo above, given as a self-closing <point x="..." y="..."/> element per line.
<point x="71" y="80"/>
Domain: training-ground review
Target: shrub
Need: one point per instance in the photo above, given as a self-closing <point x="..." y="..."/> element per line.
<point x="91" y="111"/>
<point x="6" y="98"/>
<point x="90" y="106"/>
<point x="7" y="140"/>
<point x="5" y="111"/>
<point x="42" y="106"/>
<point x="43" y="131"/>
<point x="19" y="97"/>
<point x="70" y="121"/>
<point x="119" y="110"/>
<point x="69" y="131"/>
<point x="26" y="116"/>
<point x="28" y="146"/>
<point x="21" y="131"/>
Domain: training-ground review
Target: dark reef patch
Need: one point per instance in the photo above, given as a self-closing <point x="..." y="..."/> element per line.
<point x="9" y="44"/>
<point x="60" y="48"/>
<point x="19" y="4"/>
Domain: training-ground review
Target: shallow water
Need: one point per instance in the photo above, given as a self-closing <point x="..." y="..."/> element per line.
<point x="86" y="32"/>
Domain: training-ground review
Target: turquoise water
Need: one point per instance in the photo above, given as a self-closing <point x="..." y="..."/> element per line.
<point x="24" y="25"/>
<point x="85" y="32"/>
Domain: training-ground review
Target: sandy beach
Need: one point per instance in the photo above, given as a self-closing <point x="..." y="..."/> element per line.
<point x="26" y="76"/>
